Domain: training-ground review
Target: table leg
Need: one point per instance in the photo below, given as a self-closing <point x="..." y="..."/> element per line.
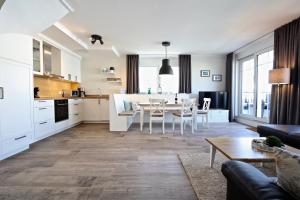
<point x="212" y="155"/>
<point x="142" y="118"/>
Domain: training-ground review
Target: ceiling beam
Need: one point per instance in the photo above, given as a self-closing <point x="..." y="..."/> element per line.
<point x="66" y="31"/>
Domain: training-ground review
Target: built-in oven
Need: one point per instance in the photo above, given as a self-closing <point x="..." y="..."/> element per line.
<point x="61" y="110"/>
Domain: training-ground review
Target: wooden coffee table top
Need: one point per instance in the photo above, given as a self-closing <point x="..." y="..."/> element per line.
<point x="240" y="148"/>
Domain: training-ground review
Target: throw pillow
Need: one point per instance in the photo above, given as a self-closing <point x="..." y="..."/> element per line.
<point x="127" y="106"/>
<point x="288" y="171"/>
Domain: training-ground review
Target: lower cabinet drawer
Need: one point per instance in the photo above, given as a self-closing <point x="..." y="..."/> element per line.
<point x="43" y="129"/>
<point x="43" y="114"/>
<point x="75" y="108"/>
<point x="75" y="118"/>
<point x="16" y="144"/>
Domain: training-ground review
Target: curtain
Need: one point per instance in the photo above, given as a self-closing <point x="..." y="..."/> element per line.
<point x="132" y="74"/>
<point x="287" y="54"/>
<point x="229" y="61"/>
<point x="185" y="74"/>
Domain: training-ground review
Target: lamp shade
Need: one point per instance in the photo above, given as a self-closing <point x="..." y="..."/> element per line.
<point x="279" y="76"/>
<point x="165" y="69"/>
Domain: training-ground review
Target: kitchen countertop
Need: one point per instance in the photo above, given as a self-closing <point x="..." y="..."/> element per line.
<point x="103" y="96"/>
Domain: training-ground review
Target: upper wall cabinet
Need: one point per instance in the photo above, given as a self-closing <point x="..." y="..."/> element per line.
<point x="51" y="59"/>
<point x="16" y="47"/>
<point x="37" y="56"/>
<point x="70" y="66"/>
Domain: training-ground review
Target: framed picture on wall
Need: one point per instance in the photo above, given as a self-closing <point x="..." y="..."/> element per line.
<point x="216" y="77"/>
<point x="205" y="73"/>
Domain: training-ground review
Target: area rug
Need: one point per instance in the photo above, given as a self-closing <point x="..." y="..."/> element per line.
<point x="209" y="183"/>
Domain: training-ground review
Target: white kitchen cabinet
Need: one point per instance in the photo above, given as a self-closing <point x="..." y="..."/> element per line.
<point x="43" y="119"/>
<point x="96" y="110"/>
<point x="16" y="47"/>
<point x="75" y="111"/>
<point x="16" y="116"/>
<point x="70" y="66"/>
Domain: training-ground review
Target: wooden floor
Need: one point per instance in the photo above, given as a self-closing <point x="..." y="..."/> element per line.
<point x="88" y="162"/>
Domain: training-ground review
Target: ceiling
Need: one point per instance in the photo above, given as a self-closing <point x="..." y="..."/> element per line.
<point x="30" y="16"/>
<point x="192" y="26"/>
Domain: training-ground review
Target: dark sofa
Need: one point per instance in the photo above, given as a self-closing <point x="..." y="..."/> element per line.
<point x="245" y="182"/>
<point x="289" y="134"/>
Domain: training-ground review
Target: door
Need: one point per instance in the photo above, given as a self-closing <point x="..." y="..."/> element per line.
<point x="16" y="108"/>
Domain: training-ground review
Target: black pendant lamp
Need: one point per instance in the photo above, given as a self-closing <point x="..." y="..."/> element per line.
<point x="166" y="68"/>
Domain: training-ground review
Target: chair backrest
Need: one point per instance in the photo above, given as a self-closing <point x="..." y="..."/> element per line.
<point x="187" y="106"/>
<point x="206" y="104"/>
<point x="157" y="106"/>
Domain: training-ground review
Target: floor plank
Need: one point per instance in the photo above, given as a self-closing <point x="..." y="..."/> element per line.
<point x="89" y="162"/>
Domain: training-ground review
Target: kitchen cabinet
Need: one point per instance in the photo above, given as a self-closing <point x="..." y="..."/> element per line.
<point x="16" y="47"/>
<point x="43" y="119"/>
<point x="37" y="56"/>
<point x="70" y="66"/>
<point x="75" y="111"/>
<point x="51" y="59"/>
<point x="16" y="103"/>
<point x="96" y="110"/>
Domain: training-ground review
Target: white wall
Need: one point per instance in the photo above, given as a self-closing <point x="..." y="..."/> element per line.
<point x="94" y="80"/>
<point x="94" y="61"/>
<point x="216" y="64"/>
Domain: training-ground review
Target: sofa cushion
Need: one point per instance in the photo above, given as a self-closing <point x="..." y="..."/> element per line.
<point x="127" y="106"/>
<point x="288" y="134"/>
<point x="288" y="171"/>
<point x="251" y="182"/>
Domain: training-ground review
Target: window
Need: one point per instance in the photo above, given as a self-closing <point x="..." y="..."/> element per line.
<point x="265" y="63"/>
<point x="247" y="86"/>
<point x="149" y="78"/>
<point x="254" y="89"/>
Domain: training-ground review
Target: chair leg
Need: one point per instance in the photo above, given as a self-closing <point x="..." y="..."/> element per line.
<point x="192" y="126"/>
<point x="173" y="124"/>
<point x="163" y="126"/>
<point x="181" y="126"/>
<point x="202" y="120"/>
<point x="184" y="125"/>
<point x="150" y="126"/>
<point x="207" y="120"/>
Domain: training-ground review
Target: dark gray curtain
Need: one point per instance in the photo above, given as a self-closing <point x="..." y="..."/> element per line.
<point x="132" y="74"/>
<point x="229" y="60"/>
<point x="287" y="54"/>
<point x="185" y="85"/>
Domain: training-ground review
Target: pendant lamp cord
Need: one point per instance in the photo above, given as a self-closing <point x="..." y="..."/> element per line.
<point x="166" y="51"/>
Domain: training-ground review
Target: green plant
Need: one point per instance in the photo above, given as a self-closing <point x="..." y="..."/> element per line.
<point x="273" y="141"/>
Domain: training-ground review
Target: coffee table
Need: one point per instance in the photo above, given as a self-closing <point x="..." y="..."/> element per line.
<point x="237" y="148"/>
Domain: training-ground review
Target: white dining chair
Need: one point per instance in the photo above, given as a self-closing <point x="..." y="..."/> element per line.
<point x="204" y="111"/>
<point x="187" y="113"/>
<point x="157" y="112"/>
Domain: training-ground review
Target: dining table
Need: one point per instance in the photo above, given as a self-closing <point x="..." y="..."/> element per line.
<point x="145" y="107"/>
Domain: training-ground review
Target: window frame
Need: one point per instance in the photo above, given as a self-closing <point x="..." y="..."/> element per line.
<point x="240" y="61"/>
<point x="158" y="80"/>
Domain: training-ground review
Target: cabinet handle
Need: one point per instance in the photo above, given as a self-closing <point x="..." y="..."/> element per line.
<point x="42" y="101"/>
<point x="1" y="93"/>
<point x="42" y="108"/>
<point x="76" y="104"/>
<point x="43" y="123"/>
<point x="18" y="138"/>
<point x="76" y="114"/>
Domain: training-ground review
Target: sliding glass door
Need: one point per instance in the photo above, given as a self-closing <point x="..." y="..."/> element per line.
<point x="254" y="89"/>
<point x="247" y="87"/>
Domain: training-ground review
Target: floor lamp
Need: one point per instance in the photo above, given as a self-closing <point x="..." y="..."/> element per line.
<point x="279" y="77"/>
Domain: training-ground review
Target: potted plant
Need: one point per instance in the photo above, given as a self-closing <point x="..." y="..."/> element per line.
<point x="267" y="144"/>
